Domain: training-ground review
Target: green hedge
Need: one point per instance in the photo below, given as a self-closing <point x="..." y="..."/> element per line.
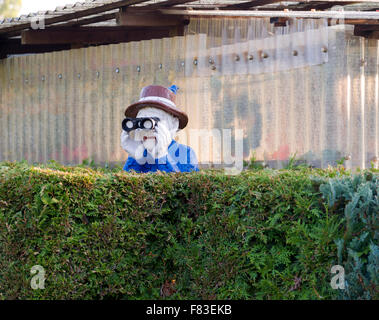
<point x="264" y="234"/>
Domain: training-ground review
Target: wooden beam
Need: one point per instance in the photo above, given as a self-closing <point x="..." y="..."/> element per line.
<point x="302" y="5"/>
<point x="104" y="17"/>
<point x="361" y="21"/>
<point x="85" y="21"/>
<point x="165" y="4"/>
<point x="279" y="22"/>
<point x="319" y="5"/>
<point x="14" y="46"/>
<point x="313" y="4"/>
<point x="149" y="20"/>
<point x="91" y="35"/>
<point x="74" y="15"/>
<point x="367" y="27"/>
<point x="366" y="34"/>
<point x="373" y="35"/>
<point x="364" y="15"/>
<point x="250" y="4"/>
<point x="367" y="31"/>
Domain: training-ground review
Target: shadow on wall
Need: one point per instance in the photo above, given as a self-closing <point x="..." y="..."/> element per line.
<point x="237" y="112"/>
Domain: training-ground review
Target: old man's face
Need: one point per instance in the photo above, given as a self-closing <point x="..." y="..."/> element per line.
<point x="157" y="140"/>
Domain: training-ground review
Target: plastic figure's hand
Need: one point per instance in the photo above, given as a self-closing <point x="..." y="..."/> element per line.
<point x="130" y="145"/>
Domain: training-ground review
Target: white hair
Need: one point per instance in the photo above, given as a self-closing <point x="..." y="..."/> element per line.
<point x="168" y="127"/>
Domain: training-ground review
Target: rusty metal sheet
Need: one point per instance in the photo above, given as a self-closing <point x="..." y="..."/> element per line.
<point x="320" y="105"/>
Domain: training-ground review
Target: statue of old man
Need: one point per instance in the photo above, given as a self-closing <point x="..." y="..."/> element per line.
<point x="149" y="129"/>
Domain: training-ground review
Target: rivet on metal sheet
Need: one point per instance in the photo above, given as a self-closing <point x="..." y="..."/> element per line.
<point x="97" y="74"/>
<point x="264" y="55"/>
<point x="160" y="66"/>
<point x="213" y="67"/>
<point x="60" y="76"/>
<point x="211" y="61"/>
<point x="294" y="53"/>
<point x="43" y="78"/>
<point x="138" y="69"/>
<point x="79" y="75"/>
<point x="117" y="70"/>
<point x="250" y="57"/>
<point x="195" y="62"/>
<point x="237" y="58"/>
<point x="182" y="63"/>
<point x="324" y="49"/>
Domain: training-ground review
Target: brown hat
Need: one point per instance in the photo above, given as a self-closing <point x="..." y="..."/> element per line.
<point x="157" y="97"/>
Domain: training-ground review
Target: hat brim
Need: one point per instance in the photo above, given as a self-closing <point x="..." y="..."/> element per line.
<point x="133" y="109"/>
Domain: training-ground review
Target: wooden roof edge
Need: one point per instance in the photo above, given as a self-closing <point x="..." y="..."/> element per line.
<point x="96" y="11"/>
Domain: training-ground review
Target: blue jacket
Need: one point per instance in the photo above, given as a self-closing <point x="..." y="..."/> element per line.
<point x="179" y="158"/>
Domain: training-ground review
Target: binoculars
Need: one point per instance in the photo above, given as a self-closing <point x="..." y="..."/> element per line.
<point x="129" y="124"/>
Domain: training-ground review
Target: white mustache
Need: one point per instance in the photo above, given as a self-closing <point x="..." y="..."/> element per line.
<point x="155" y="141"/>
<point x="143" y="135"/>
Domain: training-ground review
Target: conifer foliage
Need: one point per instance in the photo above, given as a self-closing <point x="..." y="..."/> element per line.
<point x="358" y="250"/>
<point x="263" y="234"/>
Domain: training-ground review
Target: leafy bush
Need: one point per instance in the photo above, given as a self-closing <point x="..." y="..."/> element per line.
<point x="358" y="200"/>
<point x="108" y="234"/>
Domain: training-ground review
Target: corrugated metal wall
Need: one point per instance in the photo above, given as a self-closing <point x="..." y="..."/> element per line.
<point x="305" y="88"/>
